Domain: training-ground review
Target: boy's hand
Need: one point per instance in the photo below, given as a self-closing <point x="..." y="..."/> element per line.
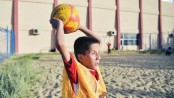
<point x="80" y="27"/>
<point x="54" y="23"/>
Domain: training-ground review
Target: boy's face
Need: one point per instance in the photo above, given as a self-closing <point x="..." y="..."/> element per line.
<point x="92" y="57"/>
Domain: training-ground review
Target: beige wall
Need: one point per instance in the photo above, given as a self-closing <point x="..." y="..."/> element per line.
<point x="129" y="19"/>
<point x="129" y="5"/>
<point x="103" y="20"/>
<point x="168" y="17"/>
<point x="5" y="21"/>
<point x="168" y="24"/>
<point x="167" y="9"/>
<point x="6" y="13"/>
<point x="150" y="26"/>
<point x="129" y="47"/>
<point x="150" y="12"/>
<point x="129" y="14"/>
<point x="36" y="13"/>
<point x="129" y="22"/>
<point x="150" y="6"/>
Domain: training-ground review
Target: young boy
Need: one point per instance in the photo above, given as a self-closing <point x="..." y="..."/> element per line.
<point x="81" y="78"/>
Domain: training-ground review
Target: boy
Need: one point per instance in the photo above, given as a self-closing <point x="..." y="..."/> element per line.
<point x="81" y="78"/>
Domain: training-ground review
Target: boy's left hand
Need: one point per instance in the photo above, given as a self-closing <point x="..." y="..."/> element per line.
<point x="54" y="23"/>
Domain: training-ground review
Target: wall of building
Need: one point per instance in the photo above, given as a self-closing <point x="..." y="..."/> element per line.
<point x="35" y="14"/>
<point x="103" y="20"/>
<point x="6" y="13"/>
<point x="129" y="16"/>
<point x="150" y="24"/>
<point x="168" y="24"/>
<point x="129" y="20"/>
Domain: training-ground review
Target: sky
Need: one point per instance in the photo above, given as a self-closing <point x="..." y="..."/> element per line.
<point x="169" y="0"/>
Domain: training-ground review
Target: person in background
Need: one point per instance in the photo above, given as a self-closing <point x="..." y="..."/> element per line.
<point x="109" y="48"/>
<point x="169" y="51"/>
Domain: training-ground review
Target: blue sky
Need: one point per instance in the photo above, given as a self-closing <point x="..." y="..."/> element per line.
<point x="169" y="0"/>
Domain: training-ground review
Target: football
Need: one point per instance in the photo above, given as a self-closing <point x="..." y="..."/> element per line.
<point x="69" y="16"/>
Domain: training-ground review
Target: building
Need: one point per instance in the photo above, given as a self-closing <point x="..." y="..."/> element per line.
<point x="138" y="24"/>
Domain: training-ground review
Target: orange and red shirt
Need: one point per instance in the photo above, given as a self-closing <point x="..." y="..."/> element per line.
<point x="70" y="67"/>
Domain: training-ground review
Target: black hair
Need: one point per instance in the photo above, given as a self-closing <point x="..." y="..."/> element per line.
<point x="82" y="44"/>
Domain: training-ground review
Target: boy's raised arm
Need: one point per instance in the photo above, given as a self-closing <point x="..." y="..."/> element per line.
<point x="57" y="24"/>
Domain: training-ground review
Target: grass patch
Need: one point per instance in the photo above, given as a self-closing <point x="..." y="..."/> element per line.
<point x="17" y="77"/>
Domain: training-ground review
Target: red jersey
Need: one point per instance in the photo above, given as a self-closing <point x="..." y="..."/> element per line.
<point x="108" y="45"/>
<point x="70" y="67"/>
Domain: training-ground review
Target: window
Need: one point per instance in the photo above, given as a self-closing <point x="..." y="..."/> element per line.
<point x="129" y="39"/>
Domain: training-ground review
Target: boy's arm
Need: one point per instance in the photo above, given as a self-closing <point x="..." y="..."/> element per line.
<point x="57" y="24"/>
<point x="89" y="33"/>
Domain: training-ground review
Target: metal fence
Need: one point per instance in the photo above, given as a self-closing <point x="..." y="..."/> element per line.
<point x="7" y="43"/>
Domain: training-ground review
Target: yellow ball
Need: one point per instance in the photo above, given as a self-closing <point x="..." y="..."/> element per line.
<point x="69" y="16"/>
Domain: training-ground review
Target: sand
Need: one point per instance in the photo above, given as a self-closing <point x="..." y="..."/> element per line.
<point x="126" y="75"/>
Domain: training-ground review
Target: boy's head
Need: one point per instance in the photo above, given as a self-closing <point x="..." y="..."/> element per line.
<point x="86" y="50"/>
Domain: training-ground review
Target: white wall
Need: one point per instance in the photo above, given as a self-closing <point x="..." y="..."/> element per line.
<point x="6" y="13"/>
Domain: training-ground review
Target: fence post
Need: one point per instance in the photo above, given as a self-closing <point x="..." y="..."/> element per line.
<point x="12" y="42"/>
<point x="8" y="42"/>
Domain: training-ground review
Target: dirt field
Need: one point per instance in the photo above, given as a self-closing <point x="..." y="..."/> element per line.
<point x="126" y="74"/>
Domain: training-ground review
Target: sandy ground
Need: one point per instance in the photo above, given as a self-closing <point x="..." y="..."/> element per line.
<point x="126" y="75"/>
